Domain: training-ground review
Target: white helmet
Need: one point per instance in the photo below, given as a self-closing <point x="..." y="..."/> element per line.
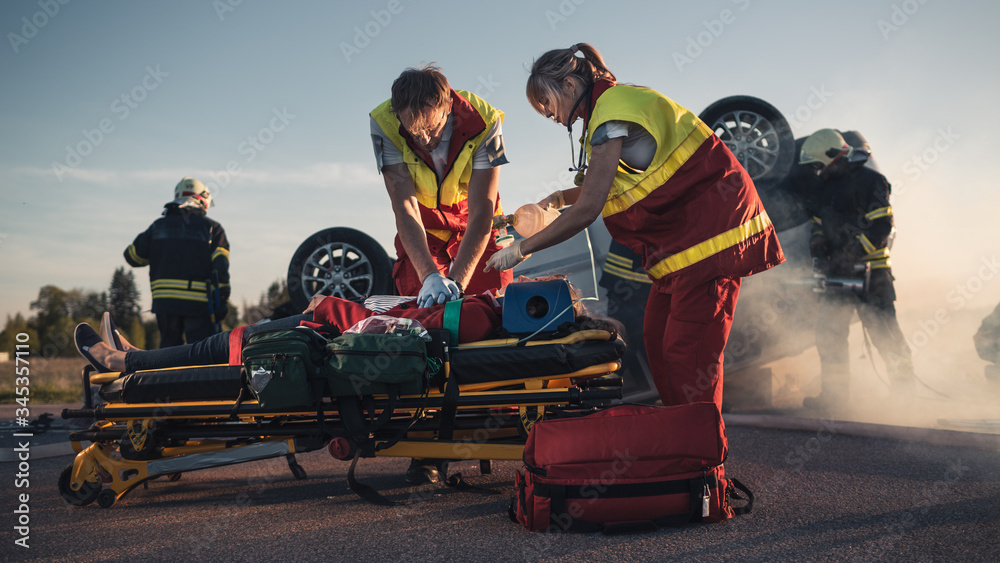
<point x="189" y="190"/>
<point x="823" y="148"/>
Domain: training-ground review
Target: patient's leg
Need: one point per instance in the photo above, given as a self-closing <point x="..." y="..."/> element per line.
<point x="113" y="359"/>
<point x="209" y="351"/>
<point x="212" y="350"/>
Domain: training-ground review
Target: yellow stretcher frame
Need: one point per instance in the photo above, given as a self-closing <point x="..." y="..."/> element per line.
<point x="102" y="464"/>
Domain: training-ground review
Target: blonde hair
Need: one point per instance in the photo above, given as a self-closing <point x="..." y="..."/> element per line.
<point x="550" y="70"/>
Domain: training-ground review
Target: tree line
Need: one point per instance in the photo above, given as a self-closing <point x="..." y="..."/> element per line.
<point x="57" y="312"/>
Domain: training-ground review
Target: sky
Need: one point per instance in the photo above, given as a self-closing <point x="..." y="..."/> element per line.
<point x="105" y="106"/>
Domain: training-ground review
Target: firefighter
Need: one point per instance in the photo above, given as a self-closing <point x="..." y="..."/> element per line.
<point x="852" y="226"/>
<point x="670" y="191"/>
<point x="188" y="258"/>
<point x="628" y="291"/>
<point x="439" y="152"/>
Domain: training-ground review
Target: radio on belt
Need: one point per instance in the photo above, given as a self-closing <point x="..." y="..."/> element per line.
<point x="528" y="306"/>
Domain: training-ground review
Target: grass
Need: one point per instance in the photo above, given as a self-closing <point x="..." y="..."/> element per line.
<point x="50" y="381"/>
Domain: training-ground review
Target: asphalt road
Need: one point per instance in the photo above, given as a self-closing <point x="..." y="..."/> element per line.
<point x="821" y="496"/>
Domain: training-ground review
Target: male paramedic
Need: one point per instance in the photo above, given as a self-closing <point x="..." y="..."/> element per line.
<point x="439" y="152"/>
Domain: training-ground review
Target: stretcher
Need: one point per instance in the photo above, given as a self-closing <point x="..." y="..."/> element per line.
<point x="162" y="423"/>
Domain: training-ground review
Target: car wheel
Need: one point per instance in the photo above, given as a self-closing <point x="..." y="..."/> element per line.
<point x="341" y="262"/>
<point x="756" y="132"/>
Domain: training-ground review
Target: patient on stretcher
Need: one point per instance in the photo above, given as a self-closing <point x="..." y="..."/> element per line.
<point x="480" y="319"/>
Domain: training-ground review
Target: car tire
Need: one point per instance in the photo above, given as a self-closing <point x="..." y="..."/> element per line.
<point x="341" y="262"/>
<point x="757" y="134"/>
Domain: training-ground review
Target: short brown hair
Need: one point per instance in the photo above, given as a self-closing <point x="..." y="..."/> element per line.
<point x="420" y="89"/>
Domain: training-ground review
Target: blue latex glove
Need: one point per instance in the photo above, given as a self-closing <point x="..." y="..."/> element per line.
<point x="437" y="289"/>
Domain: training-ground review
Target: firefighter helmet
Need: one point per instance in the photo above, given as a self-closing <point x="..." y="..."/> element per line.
<point x="191" y="190"/>
<point x="823" y="148"/>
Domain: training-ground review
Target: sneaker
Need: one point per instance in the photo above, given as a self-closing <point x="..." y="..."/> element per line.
<point x="423" y="471"/>
<point x="84" y="337"/>
<point x="110" y="334"/>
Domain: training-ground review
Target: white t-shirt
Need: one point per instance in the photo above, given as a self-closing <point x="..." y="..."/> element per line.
<point x="638" y="146"/>
<point x="490" y="152"/>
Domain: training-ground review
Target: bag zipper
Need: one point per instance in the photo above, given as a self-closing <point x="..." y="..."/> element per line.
<point x="373" y="353"/>
<point x="274" y="360"/>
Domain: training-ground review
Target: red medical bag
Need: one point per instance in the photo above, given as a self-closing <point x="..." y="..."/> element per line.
<point x="627" y="468"/>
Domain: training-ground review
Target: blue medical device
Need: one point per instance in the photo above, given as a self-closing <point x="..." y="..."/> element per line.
<point x="529" y="306"/>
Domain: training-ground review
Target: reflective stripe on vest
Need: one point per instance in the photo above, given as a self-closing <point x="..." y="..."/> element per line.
<point x="710" y="247"/>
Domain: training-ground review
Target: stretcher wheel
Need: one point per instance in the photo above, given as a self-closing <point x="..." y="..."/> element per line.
<point x="486" y="466"/>
<point x="341" y="448"/>
<point x="106" y="498"/>
<point x="87" y="493"/>
<point x="173" y="477"/>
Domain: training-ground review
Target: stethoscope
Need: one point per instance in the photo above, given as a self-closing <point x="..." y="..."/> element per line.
<point x="581" y="163"/>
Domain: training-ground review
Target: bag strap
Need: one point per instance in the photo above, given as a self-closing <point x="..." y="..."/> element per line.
<point x="365" y="491"/>
<point x="452" y="319"/>
<point x="738" y="510"/>
<point x="236" y="345"/>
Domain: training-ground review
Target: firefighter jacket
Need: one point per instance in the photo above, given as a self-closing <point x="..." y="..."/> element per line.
<point x="186" y="252"/>
<point x="444" y="207"/>
<point x="693" y="214"/>
<point x="622" y="264"/>
<point x="852" y="221"/>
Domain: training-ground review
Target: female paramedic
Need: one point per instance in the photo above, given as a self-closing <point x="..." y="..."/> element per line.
<point x="672" y="192"/>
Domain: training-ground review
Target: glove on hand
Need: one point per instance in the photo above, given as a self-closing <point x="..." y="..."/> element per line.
<point x="506" y="258"/>
<point x="437" y="289"/>
<point x="221" y="312"/>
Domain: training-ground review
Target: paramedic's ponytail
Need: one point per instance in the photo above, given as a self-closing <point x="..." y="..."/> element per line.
<point x="549" y="70"/>
<point x="592" y="63"/>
